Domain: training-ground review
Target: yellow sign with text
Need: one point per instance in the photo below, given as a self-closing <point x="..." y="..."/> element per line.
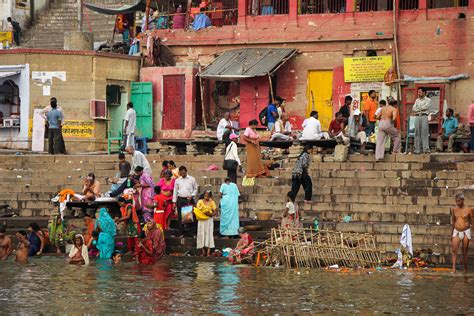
<point x="366" y="69"/>
<point x="72" y="128"/>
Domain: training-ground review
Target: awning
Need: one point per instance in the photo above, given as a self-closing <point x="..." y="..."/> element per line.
<point x="139" y="6"/>
<point x="6" y="74"/>
<point x="247" y="63"/>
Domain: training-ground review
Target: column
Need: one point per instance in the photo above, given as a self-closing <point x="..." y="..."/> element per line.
<point x="293" y="10"/>
<point x="242" y="12"/>
<point x="350" y="5"/>
<point x="423" y="4"/>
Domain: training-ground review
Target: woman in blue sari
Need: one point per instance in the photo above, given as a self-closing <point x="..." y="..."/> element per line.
<point x="105" y="225"/>
<point x="229" y="193"/>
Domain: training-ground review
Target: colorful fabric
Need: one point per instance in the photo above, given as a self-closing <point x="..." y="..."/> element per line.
<point x="142" y="255"/>
<point x="56" y="231"/>
<point x="245" y="247"/>
<point x="107" y="231"/>
<point x="370" y="106"/>
<point x="147" y="194"/>
<point x="64" y="193"/>
<point x="201" y="22"/>
<point x="229" y="209"/>
<point x="131" y="223"/>
<point x="157" y="237"/>
<point x="203" y="210"/>
<point x="89" y="222"/>
<point x="160" y="210"/>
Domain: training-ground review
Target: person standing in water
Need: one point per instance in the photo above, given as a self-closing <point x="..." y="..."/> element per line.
<point x="21" y="253"/>
<point x="6" y="248"/>
<point x="463" y="218"/>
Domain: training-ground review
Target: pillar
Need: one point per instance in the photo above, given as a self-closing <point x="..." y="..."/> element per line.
<point x="423" y="4"/>
<point x="242" y="12"/>
<point x="293" y="10"/>
<point x="350" y="5"/>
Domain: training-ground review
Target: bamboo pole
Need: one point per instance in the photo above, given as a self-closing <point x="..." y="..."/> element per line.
<point x="201" y="84"/>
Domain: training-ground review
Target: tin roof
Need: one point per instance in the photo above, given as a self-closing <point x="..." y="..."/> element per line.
<point x="247" y="63"/>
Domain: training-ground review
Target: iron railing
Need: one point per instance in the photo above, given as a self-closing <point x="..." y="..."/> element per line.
<point x="268" y="7"/>
<point x="322" y="6"/>
<point x="436" y="4"/>
<point x="374" y="5"/>
<point x="408" y="4"/>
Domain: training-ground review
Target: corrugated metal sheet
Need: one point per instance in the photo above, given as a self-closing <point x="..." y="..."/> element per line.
<point x="246" y="63"/>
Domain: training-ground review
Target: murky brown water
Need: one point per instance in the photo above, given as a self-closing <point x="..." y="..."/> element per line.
<point x="184" y="285"/>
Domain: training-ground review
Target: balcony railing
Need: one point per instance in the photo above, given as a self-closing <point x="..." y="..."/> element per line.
<point x="322" y="6"/>
<point x="374" y="5"/>
<point x="436" y="4"/>
<point x="408" y="4"/>
<point x="268" y="7"/>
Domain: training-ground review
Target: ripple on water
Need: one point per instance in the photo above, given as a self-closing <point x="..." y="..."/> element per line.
<point x="177" y="285"/>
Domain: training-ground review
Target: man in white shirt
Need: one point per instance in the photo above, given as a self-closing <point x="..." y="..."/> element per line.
<point x="231" y="153"/>
<point x="421" y="109"/>
<point x="225" y="128"/>
<point x="312" y="128"/>
<point x="282" y="129"/>
<point x="184" y="193"/>
<point x="138" y="159"/>
<point x="130" y="125"/>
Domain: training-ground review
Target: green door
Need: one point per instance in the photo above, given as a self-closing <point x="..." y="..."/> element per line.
<point x="142" y="98"/>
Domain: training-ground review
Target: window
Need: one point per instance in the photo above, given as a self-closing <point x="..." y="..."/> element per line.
<point x="98" y="109"/>
<point x="113" y="94"/>
<point x="322" y="6"/>
<point x="374" y="5"/>
<point x="436" y="4"/>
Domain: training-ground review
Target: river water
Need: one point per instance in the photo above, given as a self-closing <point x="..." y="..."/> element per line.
<point x="189" y="285"/>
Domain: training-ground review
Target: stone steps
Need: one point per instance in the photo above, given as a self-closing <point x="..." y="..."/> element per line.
<point x="49" y="27"/>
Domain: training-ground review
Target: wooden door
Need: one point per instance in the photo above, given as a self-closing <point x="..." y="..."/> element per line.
<point x="173" y="102"/>
<point x="319" y="95"/>
<point x="142" y="98"/>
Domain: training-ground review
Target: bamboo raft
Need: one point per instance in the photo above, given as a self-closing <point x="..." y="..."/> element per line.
<point x="306" y="248"/>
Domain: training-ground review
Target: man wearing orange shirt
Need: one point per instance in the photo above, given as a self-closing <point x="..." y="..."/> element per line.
<point x="370" y="106"/>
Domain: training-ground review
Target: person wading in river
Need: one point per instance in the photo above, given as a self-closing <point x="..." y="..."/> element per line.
<point x="463" y="217"/>
<point x="5" y="244"/>
<point x="21" y="254"/>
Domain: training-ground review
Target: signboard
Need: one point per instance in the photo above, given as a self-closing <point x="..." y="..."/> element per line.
<point x="71" y="128"/>
<point x="366" y="69"/>
<point x="37" y="138"/>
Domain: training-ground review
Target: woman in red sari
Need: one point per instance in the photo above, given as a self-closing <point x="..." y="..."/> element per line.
<point x="145" y="250"/>
<point x="156" y="235"/>
<point x="166" y="185"/>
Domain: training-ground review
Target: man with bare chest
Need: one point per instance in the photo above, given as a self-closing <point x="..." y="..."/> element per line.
<point x="23" y="247"/>
<point x="5" y="244"/>
<point x="463" y="217"/>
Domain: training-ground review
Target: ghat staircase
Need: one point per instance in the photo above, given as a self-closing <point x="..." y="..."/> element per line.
<point x="380" y="197"/>
<point x="61" y="16"/>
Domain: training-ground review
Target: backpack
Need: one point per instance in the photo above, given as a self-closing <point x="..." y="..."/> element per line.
<point x="262" y="116"/>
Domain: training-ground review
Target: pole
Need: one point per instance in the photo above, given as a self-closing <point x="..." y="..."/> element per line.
<point x="271" y="88"/>
<point x="79" y="15"/>
<point x="201" y="84"/>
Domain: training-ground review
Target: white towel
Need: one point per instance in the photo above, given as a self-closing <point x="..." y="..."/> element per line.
<point x="406" y="240"/>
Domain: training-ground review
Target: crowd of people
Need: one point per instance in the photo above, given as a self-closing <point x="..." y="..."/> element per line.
<point x="375" y="121"/>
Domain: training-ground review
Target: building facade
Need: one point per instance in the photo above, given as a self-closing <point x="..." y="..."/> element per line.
<point x="340" y="44"/>
<point x="92" y="88"/>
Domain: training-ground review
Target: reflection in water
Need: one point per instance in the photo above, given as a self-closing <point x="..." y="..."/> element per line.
<point x="184" y="285"/>
<point x="226" y="294"/>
